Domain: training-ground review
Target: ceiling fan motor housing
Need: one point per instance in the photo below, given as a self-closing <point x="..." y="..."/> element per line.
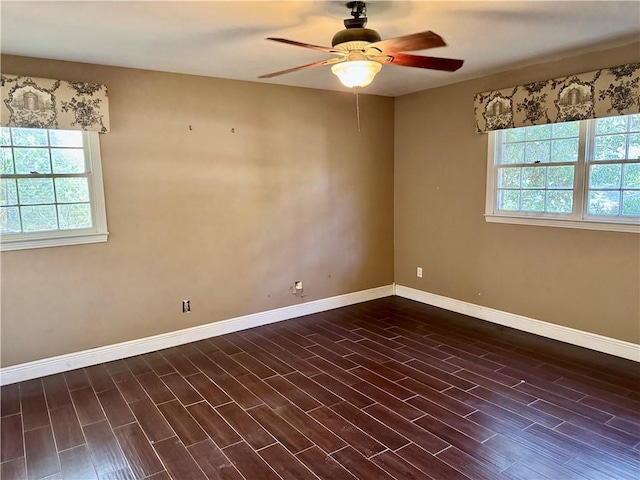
<point x="349" y="35"/>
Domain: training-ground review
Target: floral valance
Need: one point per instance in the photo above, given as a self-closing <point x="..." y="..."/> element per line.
<point x="31" y="102"/>
<point x="603" y="93"/>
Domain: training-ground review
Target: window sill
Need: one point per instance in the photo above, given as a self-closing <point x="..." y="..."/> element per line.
<point x="57" y="241"/>
<point x="561" y="223"/>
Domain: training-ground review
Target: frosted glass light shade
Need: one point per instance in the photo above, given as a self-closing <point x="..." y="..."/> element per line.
<point x="356" y="73"/>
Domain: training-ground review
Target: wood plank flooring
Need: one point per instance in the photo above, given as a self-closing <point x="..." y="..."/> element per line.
<point x="388" y="389"/>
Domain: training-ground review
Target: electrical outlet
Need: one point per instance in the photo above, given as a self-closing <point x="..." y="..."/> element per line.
<point x="186" y="306"/>
<point x="419" y="272"/>
<point x="296" y="289"/>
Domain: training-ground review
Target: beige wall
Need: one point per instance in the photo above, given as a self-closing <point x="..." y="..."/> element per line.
<point x="227" y="220"/>
<point x="581" y="279"/>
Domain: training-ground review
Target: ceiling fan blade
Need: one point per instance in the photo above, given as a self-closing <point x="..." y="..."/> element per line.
<point x="409" y="43"/>
<point x="302" y="67"/>
<point x="305" y="45"/>
<point x="432" y="63"/>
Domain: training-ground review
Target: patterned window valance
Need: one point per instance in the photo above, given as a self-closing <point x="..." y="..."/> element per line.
<point x="31" y="102"/>
<point x="603" y="93"/>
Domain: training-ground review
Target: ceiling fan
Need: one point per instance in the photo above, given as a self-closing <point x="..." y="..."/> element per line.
<point x="361" y="52"/>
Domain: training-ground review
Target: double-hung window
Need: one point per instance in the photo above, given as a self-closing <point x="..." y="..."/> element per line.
<point x="51" y="191"/>
<point x="582" y="174"/>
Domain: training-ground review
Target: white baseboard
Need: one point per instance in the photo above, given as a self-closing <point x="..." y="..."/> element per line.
<point x="108" y="353"/>
<point x="600" y="343"/>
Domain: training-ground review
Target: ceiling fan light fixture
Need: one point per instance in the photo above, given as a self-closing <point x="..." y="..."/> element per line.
<point x="356" y="73"/>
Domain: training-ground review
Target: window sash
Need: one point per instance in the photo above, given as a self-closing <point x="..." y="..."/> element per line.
<point x="591" y="162"/>
<point x="55" y="203"/>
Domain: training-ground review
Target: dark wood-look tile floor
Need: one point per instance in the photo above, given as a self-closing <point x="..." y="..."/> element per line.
<point x="388" y="389"/>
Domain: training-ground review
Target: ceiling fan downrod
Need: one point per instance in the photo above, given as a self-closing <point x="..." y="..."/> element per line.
<point x="359" y="14"/>
<point x="355" y="30"/>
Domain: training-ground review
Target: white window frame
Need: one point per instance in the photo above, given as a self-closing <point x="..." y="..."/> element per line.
<point x="58" y="238"/>
<point x="579" y="218"/>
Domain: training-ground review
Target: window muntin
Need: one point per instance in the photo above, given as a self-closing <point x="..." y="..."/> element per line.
<point x="585" y="171"/>
<point x="50" y="187"/>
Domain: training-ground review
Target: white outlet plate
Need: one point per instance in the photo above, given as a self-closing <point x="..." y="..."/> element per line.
<point x="419" y="272"/>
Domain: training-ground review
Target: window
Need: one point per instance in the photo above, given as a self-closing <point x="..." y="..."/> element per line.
<point x="51" y="191"/>
<point x="582" y="174"/>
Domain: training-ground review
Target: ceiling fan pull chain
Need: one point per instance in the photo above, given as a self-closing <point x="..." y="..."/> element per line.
<point x="355" y="92"/>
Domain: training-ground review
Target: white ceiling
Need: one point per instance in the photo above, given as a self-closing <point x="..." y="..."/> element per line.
<point x="226" y="39"/>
